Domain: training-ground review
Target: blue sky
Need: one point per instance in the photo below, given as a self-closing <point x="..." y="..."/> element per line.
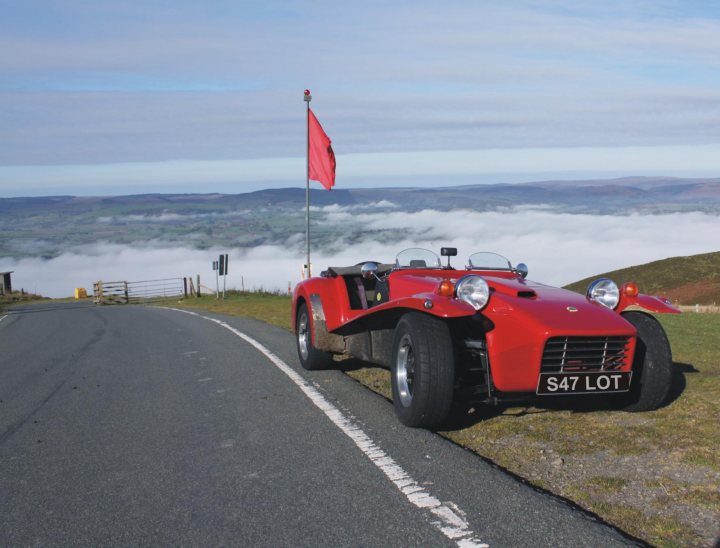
<point x="116" y="97"/>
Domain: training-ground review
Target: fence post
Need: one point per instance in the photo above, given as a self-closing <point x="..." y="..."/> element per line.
<point x="198" y="288"/>
<point x="97" y="292"/>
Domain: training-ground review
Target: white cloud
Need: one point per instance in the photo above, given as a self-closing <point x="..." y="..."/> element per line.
<point x="337" y="208"/>
<point x="559" y="248"/>
<point x="168" y="217"/>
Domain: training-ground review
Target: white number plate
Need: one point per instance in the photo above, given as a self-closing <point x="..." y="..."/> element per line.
<point x="584" y="383"/>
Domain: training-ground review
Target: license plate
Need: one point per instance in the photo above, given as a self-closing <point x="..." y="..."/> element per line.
<point x="583" y="383"/>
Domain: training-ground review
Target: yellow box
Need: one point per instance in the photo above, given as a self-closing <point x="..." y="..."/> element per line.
<point x="80" y="293"/>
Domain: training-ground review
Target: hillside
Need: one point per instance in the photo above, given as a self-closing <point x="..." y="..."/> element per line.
<point x="648" y="194"/>
<point x="684" y="280"/>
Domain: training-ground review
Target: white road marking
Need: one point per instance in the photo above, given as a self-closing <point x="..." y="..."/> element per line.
<point x="447" y="517"/>
<point x="1" y="319"/>
<point x="206" y="379"/>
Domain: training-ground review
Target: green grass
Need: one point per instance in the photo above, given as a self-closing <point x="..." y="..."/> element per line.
<point x="606" y="484"/>
<point x="16" y="297"/>
<point x="271" y="308"/>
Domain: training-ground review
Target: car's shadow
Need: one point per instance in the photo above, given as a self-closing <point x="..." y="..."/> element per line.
<point x="353" y="364"/>
<point x="467" y="413"/>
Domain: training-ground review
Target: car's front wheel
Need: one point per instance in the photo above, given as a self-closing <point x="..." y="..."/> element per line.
<point x="652" y="364"/>
<point x="423" y="370"/>
<point x="310" y="357"/>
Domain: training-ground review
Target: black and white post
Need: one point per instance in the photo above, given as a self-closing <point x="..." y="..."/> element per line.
<point x="216" y="267"/>
<point x="227" y="264"/>
<point x="221" y="269"/>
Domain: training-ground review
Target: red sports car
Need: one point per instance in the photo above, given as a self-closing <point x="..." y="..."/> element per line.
<point x="484" y="332"/>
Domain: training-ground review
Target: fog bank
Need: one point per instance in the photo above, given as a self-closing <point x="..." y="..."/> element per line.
<point x="558" y="248"/>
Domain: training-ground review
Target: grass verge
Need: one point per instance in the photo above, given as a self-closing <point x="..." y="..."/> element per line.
<point x="18" y="297"/>
<point x="269" y="307"/>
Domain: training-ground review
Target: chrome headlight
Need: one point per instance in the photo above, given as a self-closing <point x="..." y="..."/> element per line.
<point x="473" y="290"/>
<point x="605" y="292"/>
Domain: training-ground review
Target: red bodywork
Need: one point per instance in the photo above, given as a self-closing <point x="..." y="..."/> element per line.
<point x="522" y="316"/>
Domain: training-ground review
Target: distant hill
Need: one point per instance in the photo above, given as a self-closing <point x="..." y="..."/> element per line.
<point x="601" y="196"/>
<point x="645" y="183"/>
<point x="48" y="226"/>
<point x="685" y="280"/>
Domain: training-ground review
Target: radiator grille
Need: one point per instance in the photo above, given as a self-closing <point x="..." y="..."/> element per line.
<point x="565" y="354"/>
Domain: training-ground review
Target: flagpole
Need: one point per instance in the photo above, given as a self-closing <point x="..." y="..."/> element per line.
<point x="307" y="98"/>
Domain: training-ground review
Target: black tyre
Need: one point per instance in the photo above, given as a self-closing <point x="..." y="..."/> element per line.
<point x="423" y="370"/>
<point x="310" y="357"/>
<point x="652" y="365"/>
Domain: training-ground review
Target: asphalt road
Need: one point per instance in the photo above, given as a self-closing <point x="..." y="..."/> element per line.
<point x="147" y="426"/>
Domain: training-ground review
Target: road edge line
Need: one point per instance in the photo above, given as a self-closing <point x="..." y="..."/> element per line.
<point x="448" y="517"/>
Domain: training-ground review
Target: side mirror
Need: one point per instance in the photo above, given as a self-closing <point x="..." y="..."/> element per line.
<point x="522" y="269"/>
<point x="369" y="270"/>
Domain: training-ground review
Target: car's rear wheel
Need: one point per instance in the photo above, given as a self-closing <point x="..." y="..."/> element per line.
<point x="310" y="357"/>
<point x="652" y="364"/>
<point x="423" y="370"/>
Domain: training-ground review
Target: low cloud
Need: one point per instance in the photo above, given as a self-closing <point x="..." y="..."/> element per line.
<point x="337" y="208"/>
<point x="167" y="217"/>
<point x="559" y="248"/>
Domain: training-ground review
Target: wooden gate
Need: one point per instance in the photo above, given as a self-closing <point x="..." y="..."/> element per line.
<point x="141" y="292"/>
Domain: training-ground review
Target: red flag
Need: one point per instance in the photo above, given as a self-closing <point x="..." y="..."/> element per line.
<point x="321" y="161"/>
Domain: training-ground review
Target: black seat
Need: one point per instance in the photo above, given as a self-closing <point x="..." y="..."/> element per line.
<point x="364" y="294"/>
